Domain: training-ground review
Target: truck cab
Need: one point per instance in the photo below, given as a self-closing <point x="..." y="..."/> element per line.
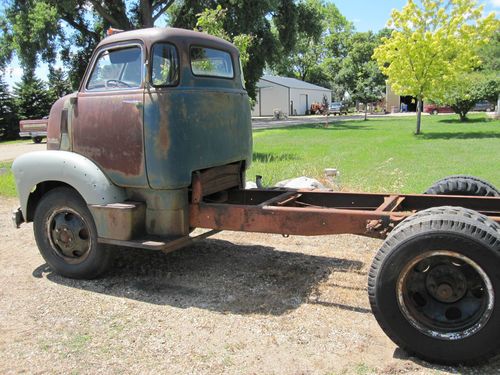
<point x="155" y="107"/>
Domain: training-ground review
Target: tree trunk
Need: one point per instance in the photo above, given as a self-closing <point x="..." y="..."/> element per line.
<point x="463" y="116"/>
<point x="147" y="13"/>
<point x="419" y="114"/>
<point x="498" y="106"/>
<point x="366" y="111"/>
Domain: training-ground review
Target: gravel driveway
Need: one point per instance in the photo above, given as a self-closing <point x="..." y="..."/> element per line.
<point x="13" y="150"/>
<point x="234" y="304"/>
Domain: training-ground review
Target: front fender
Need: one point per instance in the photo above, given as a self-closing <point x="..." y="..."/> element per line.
<point x="73" y="169"/>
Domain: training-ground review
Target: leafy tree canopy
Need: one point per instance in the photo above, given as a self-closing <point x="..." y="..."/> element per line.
<point x="32" y="99"/>
<point x="35" y="30"/>
<point x="432" y="43"/>
<point x="256" y="19"/>
<point x="465" y="92"/>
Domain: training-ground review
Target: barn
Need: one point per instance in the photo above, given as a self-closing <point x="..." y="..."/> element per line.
<point x="289" y="95"/>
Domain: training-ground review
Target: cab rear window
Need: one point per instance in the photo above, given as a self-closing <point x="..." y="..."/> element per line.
<point x="211" y="62"/>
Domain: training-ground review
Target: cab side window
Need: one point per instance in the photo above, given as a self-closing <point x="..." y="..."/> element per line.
<point x="117" y="69"/>
<point x="165" y="69"/>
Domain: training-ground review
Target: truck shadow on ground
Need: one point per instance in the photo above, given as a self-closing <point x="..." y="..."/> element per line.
<point x="217" y="275"/>
<point x="490" y="367"/>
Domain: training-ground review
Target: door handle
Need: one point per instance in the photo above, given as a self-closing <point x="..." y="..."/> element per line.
<point x="137" y="103"/>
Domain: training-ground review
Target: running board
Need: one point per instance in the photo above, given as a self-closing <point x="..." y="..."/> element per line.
<point x="164" y="244"/>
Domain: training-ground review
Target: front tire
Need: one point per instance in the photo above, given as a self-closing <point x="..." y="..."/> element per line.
<point x="434" y="286"/>
<point x="37" y="139"/>
<point x="66" y="235"/>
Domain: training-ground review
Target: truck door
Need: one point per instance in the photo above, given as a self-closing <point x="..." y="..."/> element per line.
<point x="108" y="117"/>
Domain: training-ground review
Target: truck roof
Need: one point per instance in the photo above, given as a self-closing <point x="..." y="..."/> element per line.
<point x="177" y="36"/>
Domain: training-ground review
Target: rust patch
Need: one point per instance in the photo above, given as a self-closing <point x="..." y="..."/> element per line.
<point x="108" y="130"/>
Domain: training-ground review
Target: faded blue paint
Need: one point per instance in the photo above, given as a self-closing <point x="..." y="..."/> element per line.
<point x="200" y="124"/>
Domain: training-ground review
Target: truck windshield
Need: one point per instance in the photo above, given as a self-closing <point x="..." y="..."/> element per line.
<point x="211" y="62"/>
<point x="114" y="69"/>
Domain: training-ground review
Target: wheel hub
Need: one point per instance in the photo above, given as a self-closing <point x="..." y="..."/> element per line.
<point x="446" y="283"/>
<point x="69" y="234"/>
<point x="445" y="295"/>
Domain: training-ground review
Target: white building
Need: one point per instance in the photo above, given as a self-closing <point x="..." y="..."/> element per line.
<point x="290" y="95"/>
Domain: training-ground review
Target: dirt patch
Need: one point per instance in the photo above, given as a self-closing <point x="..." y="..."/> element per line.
<point x="13" y="150"/>
<point x="235" y="304"/>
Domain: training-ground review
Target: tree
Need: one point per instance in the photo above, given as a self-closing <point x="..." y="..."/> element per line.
<point x="32" y="99"/>
<point x="320" y="39"/>
<point x="35" y="30"/>
<point x="58" y="83"/>
<point x="465" y="92"/>
<point x="9" y="128"/>
<point x="211" y="21"/>
<point x="369" y="85"/>
<point x="357" y="73"/>
<point x="432" y="44"/>
<point x="250" y="17"/>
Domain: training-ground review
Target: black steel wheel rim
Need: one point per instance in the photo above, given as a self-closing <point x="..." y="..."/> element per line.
<point x="69" y="235"/>
<point x="445" y="295"/>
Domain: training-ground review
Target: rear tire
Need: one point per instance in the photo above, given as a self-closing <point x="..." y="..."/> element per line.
<point x="37" y="139"/>
<point x="434" y="112"/>
<point x="463" y="185"/>
<point x="434" y="286"/>
<point x="66" y="235"/>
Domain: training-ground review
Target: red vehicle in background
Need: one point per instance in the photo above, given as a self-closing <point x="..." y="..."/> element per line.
<point x="434" y="109"/>
<point x="35" y="129"/>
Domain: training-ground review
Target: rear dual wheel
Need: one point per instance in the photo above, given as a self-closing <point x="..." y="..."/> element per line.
<point x="66" y="235"/>
<point x="434" y="286"/>
<point x="463" y="185"/>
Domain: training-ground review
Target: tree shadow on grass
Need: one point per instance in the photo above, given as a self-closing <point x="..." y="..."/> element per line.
<point x="480" y="120"/>
<point x="459" y="135"/>
<point x="340" y="125"/>
<point x="269" y="157"/>
<point x="219" y="276"/>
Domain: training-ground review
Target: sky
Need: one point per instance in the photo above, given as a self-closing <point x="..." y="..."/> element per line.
<point x="364" y="14"/>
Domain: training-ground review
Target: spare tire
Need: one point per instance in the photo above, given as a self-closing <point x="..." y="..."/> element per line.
<point x="463" y="185"/>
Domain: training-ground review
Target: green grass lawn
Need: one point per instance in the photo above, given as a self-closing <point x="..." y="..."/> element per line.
<point x="7" y="184"/>
<point x="382" y="154"/>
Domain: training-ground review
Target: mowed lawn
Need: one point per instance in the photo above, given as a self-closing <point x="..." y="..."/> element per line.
<point x="382" y="154"/>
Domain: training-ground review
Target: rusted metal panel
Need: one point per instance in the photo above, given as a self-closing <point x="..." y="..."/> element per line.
<point x="54" y="124"/>
<point x="164" y="244"/>
<point x="283" y="220"/>
<point x="306" y="212"/>
<point x="119" y="221"/>
<point x="107" y="128"/>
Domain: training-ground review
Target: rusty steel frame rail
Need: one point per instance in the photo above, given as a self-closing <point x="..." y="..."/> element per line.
<point x="309" y="212"/>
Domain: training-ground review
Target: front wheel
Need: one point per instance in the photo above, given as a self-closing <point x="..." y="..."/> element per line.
<point x="434" y="286"/>
<point x="66" y="235"/>
<point x="37" y="139"/>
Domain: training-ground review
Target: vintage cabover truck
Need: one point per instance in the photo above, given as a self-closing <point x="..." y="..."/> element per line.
<point x="156" y="142"/>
